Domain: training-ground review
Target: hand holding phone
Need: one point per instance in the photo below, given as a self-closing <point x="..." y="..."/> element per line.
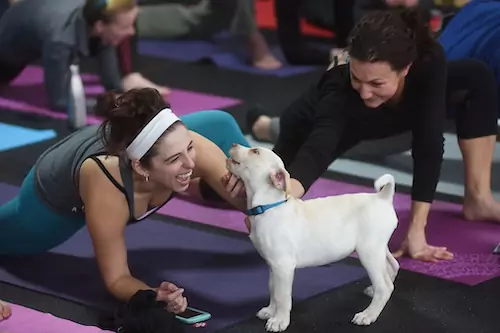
<point x="173" y="296"/>
<point x="193" y="316"/>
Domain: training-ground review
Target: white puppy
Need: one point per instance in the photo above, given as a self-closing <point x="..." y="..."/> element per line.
<point x="291" y="233"/>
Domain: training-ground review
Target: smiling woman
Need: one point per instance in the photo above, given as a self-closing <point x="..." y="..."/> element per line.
<point x="107" y="177"/>
<point x="113" y="20"/>
<point x="397" y="81"/>
<point x="59" y="33"/>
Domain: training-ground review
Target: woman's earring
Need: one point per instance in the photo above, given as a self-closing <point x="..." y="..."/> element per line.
<point x="146" y="178"/>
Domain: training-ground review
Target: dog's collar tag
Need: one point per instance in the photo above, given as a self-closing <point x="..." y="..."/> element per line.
<point x="262" y="208"/>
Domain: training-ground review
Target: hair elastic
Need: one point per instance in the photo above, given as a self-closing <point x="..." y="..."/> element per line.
<point x="151" y="133"/>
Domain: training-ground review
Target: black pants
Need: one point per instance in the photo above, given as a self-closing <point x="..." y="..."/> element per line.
<point x="471" y="93"/>
<point x="295" y="50"/>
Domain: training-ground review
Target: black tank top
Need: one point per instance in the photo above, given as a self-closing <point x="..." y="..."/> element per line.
<point x="128" y="188"/>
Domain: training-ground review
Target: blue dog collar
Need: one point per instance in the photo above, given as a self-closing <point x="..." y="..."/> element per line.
<point x="262" y="208"/>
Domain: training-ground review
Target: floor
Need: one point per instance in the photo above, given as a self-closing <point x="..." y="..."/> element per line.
<point x="422" y="302"/>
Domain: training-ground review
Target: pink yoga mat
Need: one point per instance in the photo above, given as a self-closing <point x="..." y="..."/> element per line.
<point x="25" y="320"/>
<point x="471" y="242"/>
<point x="27" y="94"/>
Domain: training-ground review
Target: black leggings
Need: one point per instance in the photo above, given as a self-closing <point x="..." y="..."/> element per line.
<point x="471" y="95"/>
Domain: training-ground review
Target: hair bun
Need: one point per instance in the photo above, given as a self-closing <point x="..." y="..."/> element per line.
<point x="131" y="104"/>
<point x="105" y="105"/>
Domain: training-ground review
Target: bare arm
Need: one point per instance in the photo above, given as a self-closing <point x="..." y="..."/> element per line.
<point x="106" y="212"/>
<point x="211" y="166"/>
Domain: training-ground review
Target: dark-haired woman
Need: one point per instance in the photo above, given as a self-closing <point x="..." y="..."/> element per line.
<point x="107" y="177"/>
<point x="397" y="80"/>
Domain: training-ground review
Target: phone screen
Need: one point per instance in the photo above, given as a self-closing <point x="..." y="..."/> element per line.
<point x="189" y="313"/>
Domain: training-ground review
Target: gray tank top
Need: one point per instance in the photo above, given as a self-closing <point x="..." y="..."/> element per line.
<point x="57" y="173"/>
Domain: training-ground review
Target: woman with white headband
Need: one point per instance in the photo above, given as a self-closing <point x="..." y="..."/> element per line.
<point x="106" y="177"/>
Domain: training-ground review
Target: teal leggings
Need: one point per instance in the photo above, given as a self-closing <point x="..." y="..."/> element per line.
<point x="28" y="226"/>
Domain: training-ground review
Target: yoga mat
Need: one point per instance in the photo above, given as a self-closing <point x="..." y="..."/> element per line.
<point x="12" y="136"/>
<point x="26" y="320"/>
<point x="471" y="242"/>
<point x="221" y="274"/>
<point x="222" y="51"/>
<point x="27" y="94"/>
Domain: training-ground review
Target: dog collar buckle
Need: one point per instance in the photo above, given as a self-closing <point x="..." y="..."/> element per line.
<point x="262" y="208"/>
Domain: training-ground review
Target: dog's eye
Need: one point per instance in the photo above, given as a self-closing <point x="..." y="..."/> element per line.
<point x="255" y="151"/>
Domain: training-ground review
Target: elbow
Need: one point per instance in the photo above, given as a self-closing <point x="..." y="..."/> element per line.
<point x="112" y="284"/>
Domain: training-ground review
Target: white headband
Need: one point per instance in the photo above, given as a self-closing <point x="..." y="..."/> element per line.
<point x="150" y="133"/>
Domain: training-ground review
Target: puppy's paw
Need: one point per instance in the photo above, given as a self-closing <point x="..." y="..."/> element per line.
<point x="266" y="313"/>
<point x="364" y="318"/>
<point x="278" y="323"/>
<point x="369" y="291"/>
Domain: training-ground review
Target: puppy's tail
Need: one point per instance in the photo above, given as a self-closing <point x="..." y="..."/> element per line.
<point x="385" y="186"/>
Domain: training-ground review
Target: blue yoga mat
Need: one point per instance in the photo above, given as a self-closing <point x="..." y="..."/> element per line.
<point x="13" y="136"/>
<point x="221" y="274"/>
<point x="222" y="51"/>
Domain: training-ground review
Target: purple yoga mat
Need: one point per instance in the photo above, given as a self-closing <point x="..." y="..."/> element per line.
<point x="471" y="242"/>
<point x="221" y="274"/>
<point x="217" y="52"/>
<point x="27" y="94"/>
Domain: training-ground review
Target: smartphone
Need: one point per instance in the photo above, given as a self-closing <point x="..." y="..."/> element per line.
<point x="193" y="316"/>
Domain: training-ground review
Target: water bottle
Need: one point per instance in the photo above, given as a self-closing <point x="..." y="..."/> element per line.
<point x="77" y="107"/>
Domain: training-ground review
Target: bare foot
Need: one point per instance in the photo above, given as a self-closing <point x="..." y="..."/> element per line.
<point x="261" y="55"/>
<point x="136" y="80"/>
<point x="417" y="248"/>
<point x="5" y="311"/>
<point x="261" y="128"/>
<point x="268" y="62"/>
<point x="481" y="210"/>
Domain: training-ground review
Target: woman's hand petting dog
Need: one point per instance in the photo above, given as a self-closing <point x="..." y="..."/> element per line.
<point x="172" y="295"/>
<point x="233" y="185"/>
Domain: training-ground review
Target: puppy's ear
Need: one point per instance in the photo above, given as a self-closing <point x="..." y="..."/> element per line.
<point x="280" y="179"/>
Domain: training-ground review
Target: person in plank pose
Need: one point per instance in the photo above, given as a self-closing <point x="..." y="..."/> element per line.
<point x="397" y="81"/>
<point x="107" y="177"/>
